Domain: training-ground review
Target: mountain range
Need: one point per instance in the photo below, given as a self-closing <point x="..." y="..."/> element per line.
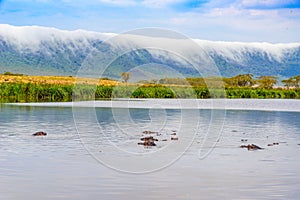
<point x="35" y="50"/>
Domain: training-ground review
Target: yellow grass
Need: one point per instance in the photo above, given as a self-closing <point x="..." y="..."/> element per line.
<point x="60" y="80"/>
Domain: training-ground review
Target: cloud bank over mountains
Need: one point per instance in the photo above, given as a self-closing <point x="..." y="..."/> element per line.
<point x="34" y="49"/>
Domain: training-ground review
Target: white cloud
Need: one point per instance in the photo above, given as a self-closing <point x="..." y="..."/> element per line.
<point x="160" y="3"/>
<point x="224" y="12"/>
<point x="238" y="20"/>
<point x="235" y="23"/>
<point x="120" y="2"/>
<point x="32" y="1"/>
<point x="179" y="20"/>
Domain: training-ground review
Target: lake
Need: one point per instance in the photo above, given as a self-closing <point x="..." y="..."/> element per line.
<point x="92" y="152"/>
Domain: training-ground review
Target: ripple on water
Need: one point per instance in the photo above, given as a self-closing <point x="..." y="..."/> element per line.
<point x="58" y="165"/>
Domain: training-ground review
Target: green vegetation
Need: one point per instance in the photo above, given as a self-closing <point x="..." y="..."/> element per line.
<point x="12" y="74"/>
<point x="262" y="93"/>
<point x="20" y="92"/>
<point x="241" y="86"/>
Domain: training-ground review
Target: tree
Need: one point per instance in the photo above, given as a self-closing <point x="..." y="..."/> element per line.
<point x="241" y="80"/>
<point x="297" y="81"/>
<point x="267" y="82"/>
<point x="7" y="73"/>
<point x="244" y="80"/>
<point x="288" y="82"/>
<point x="292" y="82"/>
<point x="125" y="76"/>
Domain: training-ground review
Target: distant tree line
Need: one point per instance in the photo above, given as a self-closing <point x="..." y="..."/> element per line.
<point x="241" y="80"/>
<point x="13" y="74"/>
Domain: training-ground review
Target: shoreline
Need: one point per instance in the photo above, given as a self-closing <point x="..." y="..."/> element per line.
<point x="288" y="105"/>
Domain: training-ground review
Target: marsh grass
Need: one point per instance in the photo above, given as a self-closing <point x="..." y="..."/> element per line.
<point x="60" y="89"/>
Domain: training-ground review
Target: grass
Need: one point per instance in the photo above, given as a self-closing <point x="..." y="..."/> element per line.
<point x="58" y="89"/>
<point x="55" y="80"/>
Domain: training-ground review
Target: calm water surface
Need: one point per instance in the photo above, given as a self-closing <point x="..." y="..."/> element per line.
<point x="92" y="153"/>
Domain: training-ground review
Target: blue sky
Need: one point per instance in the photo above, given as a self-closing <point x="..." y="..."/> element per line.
<point x="228" y="20"/>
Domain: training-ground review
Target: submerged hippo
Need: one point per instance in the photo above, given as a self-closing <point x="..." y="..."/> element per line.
<point x="150" y="132"/>
<point x="147" y="143"/>
<point x="251" y="147"/>
<point x="272" y="144"/>
<point x="40" y="133"/>
<point x="150" y="138"/>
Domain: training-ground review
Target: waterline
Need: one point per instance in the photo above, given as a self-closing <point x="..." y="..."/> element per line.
<point x="290" y="105"/>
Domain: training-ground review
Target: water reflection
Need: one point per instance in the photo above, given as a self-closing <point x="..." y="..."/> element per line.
<point x="59" y="167"/>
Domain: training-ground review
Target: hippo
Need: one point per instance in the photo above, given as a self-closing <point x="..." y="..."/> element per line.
<point x="274" y="143"/>
<point x="40" y="133"/>
<point x="149" y="132"/>
<point x="251" y="147"/>
<point x="147" y="143"/>
<point x="150" y="138"/>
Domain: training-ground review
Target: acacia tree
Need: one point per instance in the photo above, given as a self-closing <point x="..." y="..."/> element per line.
<point x="297" y="81"/>
<point x="125" y="76"/>
<point x="267" y="82"/>
<point x="292" y="82"/>
<point x="288" y="82"/>
<point x="244" y="80"/>
<point x="241" y="80"/>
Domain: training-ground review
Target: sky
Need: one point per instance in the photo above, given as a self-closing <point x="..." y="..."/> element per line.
<point x="274" y="21"/>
